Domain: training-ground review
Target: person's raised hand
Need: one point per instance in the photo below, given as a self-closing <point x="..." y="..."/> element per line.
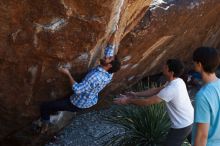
<point x="122" y="100"/>
<point x="115" y="29"/>
<point x="64" y="71"/>
<point x="130" y="94"/>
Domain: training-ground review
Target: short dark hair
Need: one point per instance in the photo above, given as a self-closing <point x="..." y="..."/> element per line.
<point x="208" y="57"/>
<point x="176" y="66"/>
<point x="116" y="65"/>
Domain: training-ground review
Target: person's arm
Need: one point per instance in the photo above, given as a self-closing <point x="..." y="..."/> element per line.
<point x="109" y="49"/>
<point x="88" y="84"/>
<point x="145" y="101"/>
<point x="201" y="134"/>
<point x="124" y="100"/>
<point x="82" y="87"/>
<point x="68" y="74"/>
<point x="202" y="118"/>
<point x="149" y="92"/>
<point x="112" y="39"/>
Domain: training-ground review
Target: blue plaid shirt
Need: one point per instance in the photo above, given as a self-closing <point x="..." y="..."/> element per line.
<point x="86" y="93"/>
<point x="109" y="50"/>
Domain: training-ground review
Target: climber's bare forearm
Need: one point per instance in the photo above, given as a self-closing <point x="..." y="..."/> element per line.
<point x="71" y="79"/>
<point x="112" y="39"/>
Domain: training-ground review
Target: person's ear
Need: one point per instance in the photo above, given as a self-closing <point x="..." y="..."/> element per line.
<point x="172" y="73"/>
<point x="200" y="66"/>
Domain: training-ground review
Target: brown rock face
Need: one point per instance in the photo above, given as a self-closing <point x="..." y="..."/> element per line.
<point x="37" y="36"/>
<point x="170" y="29"/>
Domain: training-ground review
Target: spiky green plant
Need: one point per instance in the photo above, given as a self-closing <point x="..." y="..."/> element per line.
<point x="142" y="125"/>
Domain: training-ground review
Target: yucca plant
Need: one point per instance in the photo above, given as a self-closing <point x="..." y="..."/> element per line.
<point x="143" y="126"/>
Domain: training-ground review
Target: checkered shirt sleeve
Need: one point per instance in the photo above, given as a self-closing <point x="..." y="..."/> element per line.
<point x="86" y="85"/>
<point x="109" y="50"/>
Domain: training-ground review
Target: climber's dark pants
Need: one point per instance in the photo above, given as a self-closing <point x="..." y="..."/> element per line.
<point x="177" y="136"/>
<point x="48" y="108"/>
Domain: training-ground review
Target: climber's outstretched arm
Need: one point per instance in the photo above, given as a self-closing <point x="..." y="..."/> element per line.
<point x="67" y="73"/>
<point x="112" y="39"/>
<point x="109" y="50"/>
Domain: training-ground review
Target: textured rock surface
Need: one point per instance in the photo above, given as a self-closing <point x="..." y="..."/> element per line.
<point x="88" y="129"/>
<point x="36" y="37"/>
<point x="169" y="29"/>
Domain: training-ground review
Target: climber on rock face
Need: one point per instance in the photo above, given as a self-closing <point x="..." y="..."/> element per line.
<point x="86" y="92"/>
